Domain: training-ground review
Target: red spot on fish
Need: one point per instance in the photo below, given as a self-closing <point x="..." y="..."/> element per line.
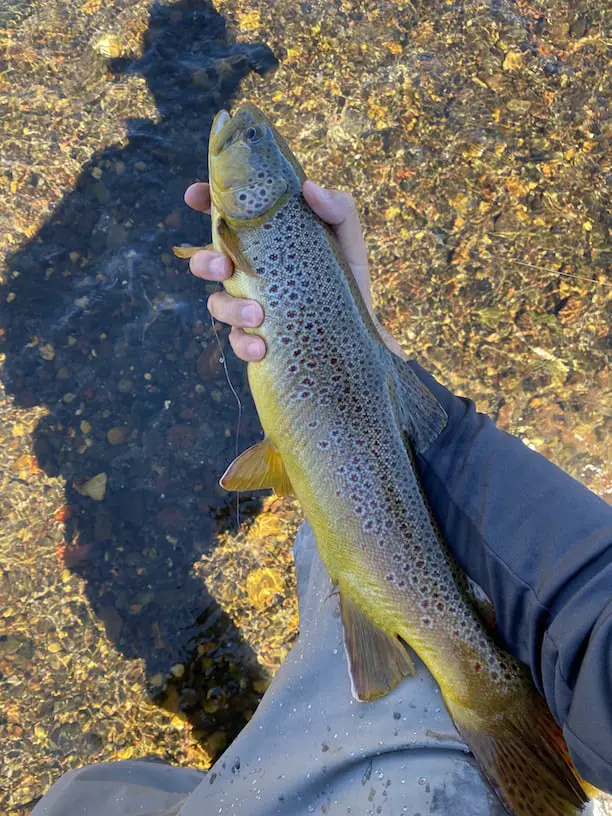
<point x="477" y="667"/>
<point x="425" y="603"/>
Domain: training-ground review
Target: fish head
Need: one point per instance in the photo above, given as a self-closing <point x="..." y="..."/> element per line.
<point x="252" y="171"/>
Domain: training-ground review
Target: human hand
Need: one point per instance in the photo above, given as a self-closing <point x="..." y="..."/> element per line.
<point x="334" y="207"/>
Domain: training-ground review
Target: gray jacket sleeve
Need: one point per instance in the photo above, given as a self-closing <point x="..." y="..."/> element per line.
<point x="540" y="545"/>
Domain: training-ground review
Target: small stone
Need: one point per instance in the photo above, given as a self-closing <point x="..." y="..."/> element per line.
<point x="68" y="398"/>
<point x="513" y="61"/>
<point x="116" y="436"/>
<point x="10" y="297"/>
<point x="108" y="46"/>
<point x="63" y="373"/>
<point x="579" y="27"/>
<point x="182" y="437"/>
<point x="95" y="488"/>
<point x="140" y="166"/>
<point x="208" y="365"/>
<point x="47" y="352"/>
<point x="178" y="670"/>
<point x="85" y="426"/>
<point x="125" y="386"/>
<point x="119" y="168"/>
<point x="519" y="105"/>
<point x="96" y="172"/>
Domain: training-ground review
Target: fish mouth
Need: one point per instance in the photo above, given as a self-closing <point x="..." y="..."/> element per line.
<point x="220" y="132"/>
<point x="224" y="125"/>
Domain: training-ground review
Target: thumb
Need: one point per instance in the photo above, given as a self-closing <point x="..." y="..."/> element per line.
<point x="338" y="209"/>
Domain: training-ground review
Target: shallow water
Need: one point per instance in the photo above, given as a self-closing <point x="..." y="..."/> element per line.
<point x="473" y="136"/>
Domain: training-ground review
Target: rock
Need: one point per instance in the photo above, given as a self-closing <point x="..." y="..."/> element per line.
<point x="117" y="436"/>
<point x="95" y="488"/>
<point x="178" y="670"/>
<point x="208" y="365"/>
<point x="112" y="620"/>
<point x="125" y="386"/>
<point x="182" y="436"/>
<point x="47" y="352"/>
<point x="513" y="61"/>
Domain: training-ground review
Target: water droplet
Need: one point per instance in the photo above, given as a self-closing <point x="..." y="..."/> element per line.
<point x="422" y="780"/>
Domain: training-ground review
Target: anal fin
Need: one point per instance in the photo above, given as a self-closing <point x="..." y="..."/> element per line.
<point x="260" y="467"/>
<point x="377" y="659"/>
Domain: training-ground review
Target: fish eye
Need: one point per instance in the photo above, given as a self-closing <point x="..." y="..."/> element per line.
<point x="254" y="134"/>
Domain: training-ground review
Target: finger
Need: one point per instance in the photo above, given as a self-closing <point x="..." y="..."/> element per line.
<point x="246" y="346"/>
<point x="235" y="311"/>
<point x="197" y="196"/>
<point x="338" y="209"/>
<point x="213" y="266"/>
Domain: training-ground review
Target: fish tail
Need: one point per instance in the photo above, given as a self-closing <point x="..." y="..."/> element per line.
<point x="525" y="758"/>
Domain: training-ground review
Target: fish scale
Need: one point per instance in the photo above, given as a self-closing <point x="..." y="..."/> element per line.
<point x="344" y="420"/>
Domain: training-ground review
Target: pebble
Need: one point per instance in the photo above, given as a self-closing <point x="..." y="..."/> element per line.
<point x="125" y="386"/>
<point x="117" y="436"/>
<point x="95" y="488"/>
<point x="178" y="670"/>
<point x="47" y="352"/>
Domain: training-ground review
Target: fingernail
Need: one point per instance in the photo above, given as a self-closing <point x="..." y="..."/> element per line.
<point x="249" y="315"/>
<point x="217" y="267"/>
<point x="321" y="193"/>
<point x="254" y="348"/>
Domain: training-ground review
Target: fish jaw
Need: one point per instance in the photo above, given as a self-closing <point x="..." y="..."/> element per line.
<point x="250" y="175"/>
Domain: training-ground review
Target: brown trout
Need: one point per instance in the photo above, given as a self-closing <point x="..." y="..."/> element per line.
<point x="343" y="418"/>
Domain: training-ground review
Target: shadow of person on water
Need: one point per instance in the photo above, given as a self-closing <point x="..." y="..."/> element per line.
<point x="111" y="333"/>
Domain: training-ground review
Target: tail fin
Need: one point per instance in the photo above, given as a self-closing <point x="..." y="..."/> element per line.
<point x="524" y="756"/>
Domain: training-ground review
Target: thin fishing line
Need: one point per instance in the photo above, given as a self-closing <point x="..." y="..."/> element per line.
<point x="223" y="362"/>
<point x="556" y="272"/>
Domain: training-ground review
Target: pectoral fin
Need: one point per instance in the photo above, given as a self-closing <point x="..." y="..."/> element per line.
<point x="258" y="468"/>
<point x="377" y="658"/>
<point x="230" y="245"/>
<point x="188" y="252"/>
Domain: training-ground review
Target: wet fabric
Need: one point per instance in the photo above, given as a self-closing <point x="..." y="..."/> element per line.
<point x="540" y="545"/>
